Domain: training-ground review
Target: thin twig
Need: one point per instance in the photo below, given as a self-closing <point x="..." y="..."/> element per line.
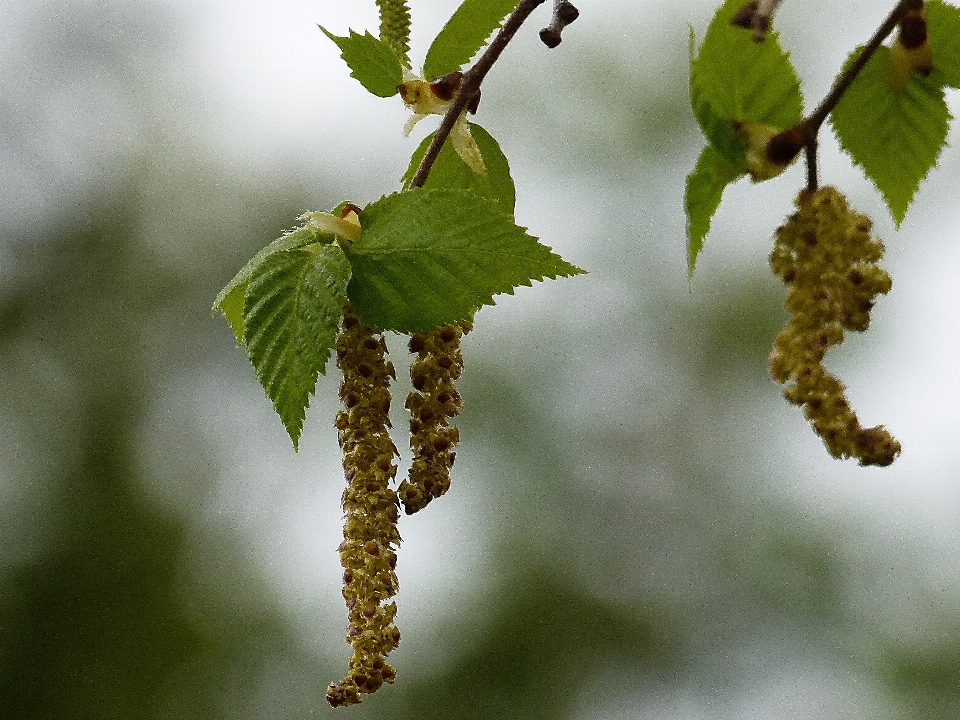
<point x="470" y="84"/>
<point x="811" y="155"/>
<point x="810" y="126"/>
<point x="564" y="13"/>
<point x="815" y="120"/>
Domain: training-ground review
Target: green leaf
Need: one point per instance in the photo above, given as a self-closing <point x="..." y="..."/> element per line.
<point x="291" y="314"/>
<point x="231" y="298"/>
<point x="464" y="34"/>
<point x="943" y="30"/>
<point x="705" y="186"/>
<point x="372" y="61"/>
<point x="720" y="132"/>
<point x="428" y="258"/>
<point x="896" y="137"/>
<point x="230" y="303"/>
<point x="733" y="78"/>
<point x="450" y="171"/>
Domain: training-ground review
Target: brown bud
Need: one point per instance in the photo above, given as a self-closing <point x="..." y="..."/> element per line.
<point x="550" y="37"/>
<point x="349" y="208"/>
<point x="913" y="29"/>
<point x="784" y="147"/>
<point x="444" y="88"/>
<point x="744" y="16"/>
<point x="419" y="381"/>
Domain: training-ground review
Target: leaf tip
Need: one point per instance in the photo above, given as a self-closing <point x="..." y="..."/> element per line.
<point x="295" y="437"/>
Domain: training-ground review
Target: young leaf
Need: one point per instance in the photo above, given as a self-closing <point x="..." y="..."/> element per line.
<point x="428" y="258"/>
<point x="450" y="171"/>
<point x="896" y="137"/>
<point x="735" y="84"/>
<point x="291" y="313"/>
<point x="705" y="186"/>
<point x="943" y="30"/>
<point x="373" y="62"/>
<point x="231" y="298"/>
<point x="720" y="132"/>
<point x="734" y="79"/>
<point x="464" y="34"/>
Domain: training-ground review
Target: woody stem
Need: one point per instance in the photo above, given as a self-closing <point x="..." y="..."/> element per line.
<point x="810" y="125"/>
<point x="470" y="84"/>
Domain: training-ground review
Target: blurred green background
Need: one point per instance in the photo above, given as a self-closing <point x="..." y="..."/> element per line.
<point x="639" y="525"/>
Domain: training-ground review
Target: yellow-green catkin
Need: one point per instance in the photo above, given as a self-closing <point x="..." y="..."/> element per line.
<point x="433" y="401"/>
<point x="395" y="27"/>
<point x="829" y="262"/>
<point x="371" y="510"/>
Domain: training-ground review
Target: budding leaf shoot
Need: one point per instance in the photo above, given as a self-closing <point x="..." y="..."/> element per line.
<point x="451" y="172"/>
<point x="734" y="82"/>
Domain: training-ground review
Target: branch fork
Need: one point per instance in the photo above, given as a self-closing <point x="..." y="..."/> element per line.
<point x="784" y="147"/>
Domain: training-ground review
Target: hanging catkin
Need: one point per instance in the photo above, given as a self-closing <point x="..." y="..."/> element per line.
<point x="370" y="507"/>
<point x="829" y="261"/>
<point x="433" y="401"/>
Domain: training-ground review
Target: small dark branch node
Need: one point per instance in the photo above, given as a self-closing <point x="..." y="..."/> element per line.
<point x="446" y="88"/>
<point x="564" y="13"/>
<point x="743" y="18"/>
<point x="756" y="16"/>
<point x="913" y="29"/>
<point x="785" y="146"/>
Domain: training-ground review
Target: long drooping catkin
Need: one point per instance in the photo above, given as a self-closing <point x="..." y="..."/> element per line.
<point x="370" y="505"/>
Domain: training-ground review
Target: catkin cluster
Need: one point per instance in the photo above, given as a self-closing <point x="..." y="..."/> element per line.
<point x="828" y="260"/>
<point x="395" y="27"/>
<point x="371" y="510"/>
<point x="432" y="402"/>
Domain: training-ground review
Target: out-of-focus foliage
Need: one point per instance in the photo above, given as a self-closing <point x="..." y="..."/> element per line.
<point x="639" y="556"/>
<point x="116" y="607"/>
